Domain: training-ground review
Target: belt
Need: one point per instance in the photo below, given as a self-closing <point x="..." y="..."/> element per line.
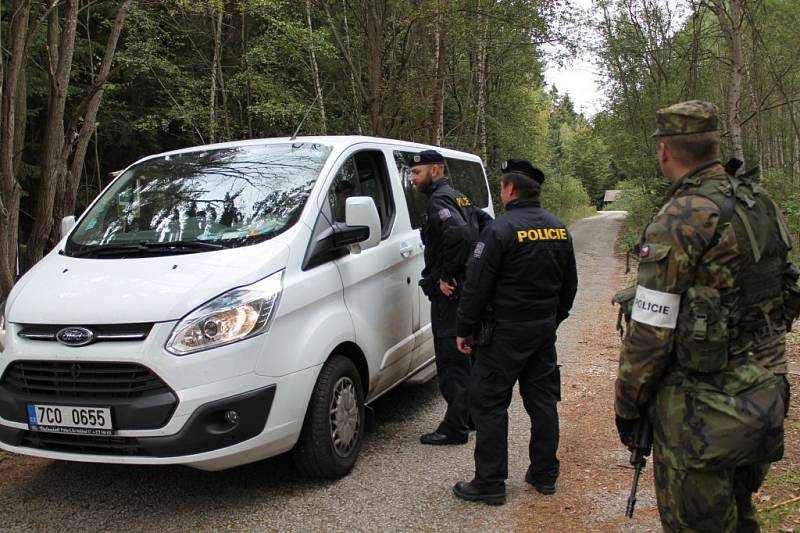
<point x="527" y="315"/>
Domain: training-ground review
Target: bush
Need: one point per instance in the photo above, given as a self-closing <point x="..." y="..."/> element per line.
<point x="564" y="196"/>
<point x="640" y="205"/>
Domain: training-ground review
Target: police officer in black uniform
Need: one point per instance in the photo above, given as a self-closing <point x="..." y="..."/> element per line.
<point x="523" y="269"/>
<point x="451" y="229"/>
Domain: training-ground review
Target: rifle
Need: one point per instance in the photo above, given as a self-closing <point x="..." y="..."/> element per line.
<point x="642" y="444"/>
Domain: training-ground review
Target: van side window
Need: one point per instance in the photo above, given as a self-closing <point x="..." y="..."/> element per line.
<point x="468" y="177"/>
<point x="417" y="203"/>
<point x="363" y="174"/>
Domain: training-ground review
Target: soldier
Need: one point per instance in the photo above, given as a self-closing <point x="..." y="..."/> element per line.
<point x="704" y="354"/>
<point x="523" y="267"/>
<point x="451" y="229"/>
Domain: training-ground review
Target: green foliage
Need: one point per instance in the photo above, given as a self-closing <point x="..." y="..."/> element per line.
<point x="565" y="196"/>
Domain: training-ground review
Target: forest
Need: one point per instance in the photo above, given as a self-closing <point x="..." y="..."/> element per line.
<point x="90" y="86"/>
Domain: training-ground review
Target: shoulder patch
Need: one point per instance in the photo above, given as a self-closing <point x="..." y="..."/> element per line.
<point x="645" y="252"/>
<point x="478" y="250"/>
<point x="655" y="308"/>
<point x="444" y="214"/>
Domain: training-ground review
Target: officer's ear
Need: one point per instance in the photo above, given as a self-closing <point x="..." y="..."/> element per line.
<point x="663" y="152"/>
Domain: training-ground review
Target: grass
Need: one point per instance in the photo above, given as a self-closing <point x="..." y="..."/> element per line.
<point x="576" y="214"/>
<point x="781" y="485"/>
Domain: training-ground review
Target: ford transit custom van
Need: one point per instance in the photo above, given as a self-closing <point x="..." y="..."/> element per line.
<point x="222" y="304"/>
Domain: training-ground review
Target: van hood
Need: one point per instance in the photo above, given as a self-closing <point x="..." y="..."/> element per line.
<point x="83" y="291"/>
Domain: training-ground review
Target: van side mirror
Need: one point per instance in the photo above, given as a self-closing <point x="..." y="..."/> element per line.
<point x="361" y="211"/>
<point x="67" y="223"/>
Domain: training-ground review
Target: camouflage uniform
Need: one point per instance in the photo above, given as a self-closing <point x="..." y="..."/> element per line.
<point x="704" y="354"/>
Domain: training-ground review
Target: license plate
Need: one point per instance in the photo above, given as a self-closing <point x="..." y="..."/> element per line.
<point x="69" y="419"/>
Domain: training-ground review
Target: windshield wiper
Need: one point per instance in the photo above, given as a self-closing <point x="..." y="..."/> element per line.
<point x="175" y="247"/>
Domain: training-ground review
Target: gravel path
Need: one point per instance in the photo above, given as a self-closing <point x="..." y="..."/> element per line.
<point x="398" y="484"/>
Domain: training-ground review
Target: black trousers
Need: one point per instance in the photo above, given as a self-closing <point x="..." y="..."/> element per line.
<point x="524" y="352"/>
<point x="453" y="368"/>
<point x="453" y="373"/>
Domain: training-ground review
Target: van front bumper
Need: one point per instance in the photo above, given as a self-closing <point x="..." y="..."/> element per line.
<point x="212" y="426"/>
<point x="270" y="418"/>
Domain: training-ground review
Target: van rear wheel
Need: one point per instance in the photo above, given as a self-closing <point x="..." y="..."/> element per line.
<point x="334" y="425"/>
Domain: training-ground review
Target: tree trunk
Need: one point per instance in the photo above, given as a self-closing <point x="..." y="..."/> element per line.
<point x="730" y="22"/>
<point x="480" y="117"/>
<point x="353" y="88"/>
<point x="66" y="205"/>
<point x="375" y="46"/>
<point x="216" y="30"/>
<point x="438" y="97"/>
<point x="61" y="46"/>
<point x="10" y="190"/>
<point x="315" y="70"/>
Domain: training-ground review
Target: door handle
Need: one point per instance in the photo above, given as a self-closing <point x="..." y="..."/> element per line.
<point x="405" y="251"/>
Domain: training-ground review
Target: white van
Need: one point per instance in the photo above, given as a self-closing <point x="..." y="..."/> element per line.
<point x="222" y="304"/>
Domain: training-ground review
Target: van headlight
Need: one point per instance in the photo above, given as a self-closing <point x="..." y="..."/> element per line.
<point x="233" y="316"/>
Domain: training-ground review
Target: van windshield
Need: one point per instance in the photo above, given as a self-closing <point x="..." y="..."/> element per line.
<point x="200" y="201"/>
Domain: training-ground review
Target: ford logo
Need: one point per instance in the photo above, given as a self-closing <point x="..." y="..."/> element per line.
<point x="75" y="336"/>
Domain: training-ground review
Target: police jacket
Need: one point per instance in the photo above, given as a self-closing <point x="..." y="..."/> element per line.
<point x="523" y="265"/>
<point x="452" y="228"/>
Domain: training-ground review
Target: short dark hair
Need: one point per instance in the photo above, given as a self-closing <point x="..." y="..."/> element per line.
<point x="525" y="186"/>
<point x="694" y="148"/>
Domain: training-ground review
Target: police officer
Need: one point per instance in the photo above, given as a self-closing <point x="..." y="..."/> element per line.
<point x="704" y="355"/>
<point x="523" y="267"/>
<point x="451" y="229"/>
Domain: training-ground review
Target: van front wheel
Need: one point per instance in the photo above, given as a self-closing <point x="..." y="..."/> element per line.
<point x="334" y="425"/>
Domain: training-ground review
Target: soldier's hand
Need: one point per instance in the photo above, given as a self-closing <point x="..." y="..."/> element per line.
<point x="626" y="428"/>
<point x="448" y="289"/>
<point x="463" y="344"/>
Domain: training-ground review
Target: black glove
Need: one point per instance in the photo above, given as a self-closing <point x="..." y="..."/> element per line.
<point x="625" y="428"/>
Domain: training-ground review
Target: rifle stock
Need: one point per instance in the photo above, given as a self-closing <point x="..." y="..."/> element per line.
<point x="642" y="444"/>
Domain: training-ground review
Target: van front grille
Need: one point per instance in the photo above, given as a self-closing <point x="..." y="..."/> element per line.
<point x="102" y="333"/>
<point x="88" y="444"/>
<point x="84" y="379"/>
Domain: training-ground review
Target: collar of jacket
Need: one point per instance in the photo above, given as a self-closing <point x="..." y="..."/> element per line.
<point x="693" y="177"/>
<point x="441" y="182"/>
<point x="519" y="204"/>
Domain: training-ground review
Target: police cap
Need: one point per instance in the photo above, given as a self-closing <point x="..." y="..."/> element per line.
<point x="522" y="166"/>
<point x="684" y="118"/>
<point x="427" y="157"/>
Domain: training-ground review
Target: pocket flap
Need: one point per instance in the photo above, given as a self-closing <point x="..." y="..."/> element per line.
<point x="654" y="252"/>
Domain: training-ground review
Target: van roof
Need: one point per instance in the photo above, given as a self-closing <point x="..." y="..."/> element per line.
<point x="338" y="142"/>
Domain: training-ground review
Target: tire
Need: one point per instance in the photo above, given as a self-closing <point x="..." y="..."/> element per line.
<point x="333" y="429"/>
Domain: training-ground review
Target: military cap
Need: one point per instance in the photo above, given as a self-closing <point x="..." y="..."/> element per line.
<point x="427" y="157"/>
<point x="522" y="166"/>
<point x="684" y="118"/>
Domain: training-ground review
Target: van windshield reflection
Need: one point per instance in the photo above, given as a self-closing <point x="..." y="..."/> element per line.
<point x="224" y="197"/>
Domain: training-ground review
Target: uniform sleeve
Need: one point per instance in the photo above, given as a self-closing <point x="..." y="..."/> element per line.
<point x="484" y="219"/>
<point x="455" y="241"/>
<point x="674" y="243"/>
<point x="569" y="287"/>
<point x="482" y="270"/>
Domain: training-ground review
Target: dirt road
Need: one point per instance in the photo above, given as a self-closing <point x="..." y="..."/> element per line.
<point x="398" y="484"/>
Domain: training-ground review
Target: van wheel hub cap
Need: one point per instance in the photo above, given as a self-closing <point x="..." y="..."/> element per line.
<point x="345" y="422"/>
